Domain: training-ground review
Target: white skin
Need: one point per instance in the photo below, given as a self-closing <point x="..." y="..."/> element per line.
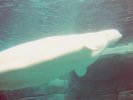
<point x="36" y="62"/>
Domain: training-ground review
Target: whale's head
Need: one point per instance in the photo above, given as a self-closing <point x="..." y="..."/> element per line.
<point x="98" y="41"/>
<point x="112" y="36"/>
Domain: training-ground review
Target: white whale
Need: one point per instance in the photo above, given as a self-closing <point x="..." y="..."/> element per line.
<point x="36" y="62"/>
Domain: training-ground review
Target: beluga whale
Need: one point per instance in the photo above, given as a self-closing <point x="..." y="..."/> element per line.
<point x="40" y="61"/>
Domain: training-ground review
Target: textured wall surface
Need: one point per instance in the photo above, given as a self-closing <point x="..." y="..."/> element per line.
<point x="107" y="78"/>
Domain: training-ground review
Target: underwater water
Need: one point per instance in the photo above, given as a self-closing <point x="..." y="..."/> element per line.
<point x="109" y="78"/>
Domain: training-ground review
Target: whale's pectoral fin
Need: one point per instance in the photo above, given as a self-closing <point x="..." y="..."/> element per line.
<point x="96" y="49"/>
<point x="96" y="52"/>
<point x="81" y="71"/>
<point x="92" y="57"/>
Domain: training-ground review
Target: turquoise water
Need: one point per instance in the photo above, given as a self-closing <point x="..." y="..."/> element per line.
<point x="26" y="20"/>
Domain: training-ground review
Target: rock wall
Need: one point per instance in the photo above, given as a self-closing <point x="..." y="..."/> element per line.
<point x="106" y="79"/>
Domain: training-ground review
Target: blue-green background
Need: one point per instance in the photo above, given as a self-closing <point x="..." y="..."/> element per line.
<point x="26" y="20"/>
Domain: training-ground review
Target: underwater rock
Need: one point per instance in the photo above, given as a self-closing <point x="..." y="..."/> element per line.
<point x="106" y="78"/>
<point x="3" y="95"/>
<point x="126" y="95"/>
<point x="42" y="92"/>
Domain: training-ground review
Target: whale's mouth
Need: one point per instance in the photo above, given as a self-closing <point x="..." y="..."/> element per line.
<point x="113" y="36"/>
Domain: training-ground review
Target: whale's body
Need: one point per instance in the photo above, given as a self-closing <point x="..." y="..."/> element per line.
<point x="34" y="63"/>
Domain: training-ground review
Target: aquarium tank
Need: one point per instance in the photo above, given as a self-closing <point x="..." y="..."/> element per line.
<point x="108" y="77"/>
